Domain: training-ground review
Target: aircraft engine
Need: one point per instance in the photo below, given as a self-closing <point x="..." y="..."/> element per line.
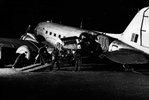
<point x="24" y="49"/>
<point x="117" y="45"/>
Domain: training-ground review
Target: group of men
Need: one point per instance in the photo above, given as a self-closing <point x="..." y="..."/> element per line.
<point x="44" y="57"/>
<point x="86" y="42"/>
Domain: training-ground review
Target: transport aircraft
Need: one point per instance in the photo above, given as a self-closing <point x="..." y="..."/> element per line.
<point x="129" y="47"/>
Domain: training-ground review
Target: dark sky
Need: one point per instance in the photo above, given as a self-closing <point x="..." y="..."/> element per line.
<point x="103" y="15"/>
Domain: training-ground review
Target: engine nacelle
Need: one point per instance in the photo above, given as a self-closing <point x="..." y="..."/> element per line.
<point x="24" y="49"/>
<point x="117" y="45"/>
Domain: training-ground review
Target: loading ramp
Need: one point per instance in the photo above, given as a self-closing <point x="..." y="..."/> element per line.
<point x="33" y="67"/>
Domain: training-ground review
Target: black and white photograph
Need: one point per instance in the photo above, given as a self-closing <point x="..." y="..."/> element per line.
<point x="74" y="50"/>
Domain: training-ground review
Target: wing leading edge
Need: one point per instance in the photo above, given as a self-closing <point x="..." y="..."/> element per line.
<point x="15" y="43"/>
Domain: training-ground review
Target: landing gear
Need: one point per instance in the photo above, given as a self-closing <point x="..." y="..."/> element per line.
<point x="128" y="68"/>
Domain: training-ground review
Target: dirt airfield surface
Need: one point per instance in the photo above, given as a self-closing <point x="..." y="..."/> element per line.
<point x="71" y="85"/>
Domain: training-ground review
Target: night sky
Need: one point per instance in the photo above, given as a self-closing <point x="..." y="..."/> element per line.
<point x="101" y="15"/>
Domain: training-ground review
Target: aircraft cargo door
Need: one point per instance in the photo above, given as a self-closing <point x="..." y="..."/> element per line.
<point x="104" y="42"/>
<point x="145" y="29"/>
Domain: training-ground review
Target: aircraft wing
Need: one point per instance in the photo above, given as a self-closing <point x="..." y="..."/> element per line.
<point x="128" y="56"/>
<point x="15" y="43"/>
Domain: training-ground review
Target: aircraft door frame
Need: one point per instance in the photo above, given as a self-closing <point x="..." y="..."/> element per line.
<point x="104" y="42"/>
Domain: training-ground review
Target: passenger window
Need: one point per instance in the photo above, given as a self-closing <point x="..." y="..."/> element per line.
<point x="54" y="34"/>
<point x="50" y="33"/>
<point x="46" y="32"/>
<point x="59" y="36"/>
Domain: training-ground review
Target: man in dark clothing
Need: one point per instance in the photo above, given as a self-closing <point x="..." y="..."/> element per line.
<point x="42" y="55"/>
<point x="95" y="47"/>
<point x="55" y="59"/>
<point x="89" y="45"/>
<point x="78" y="60"/>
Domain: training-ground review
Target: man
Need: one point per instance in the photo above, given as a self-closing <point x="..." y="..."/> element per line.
<point x="42" y="55"/>
<point x="78" y="60"/>
<point x="95" y="47"/>
<point x="55" y="59"/>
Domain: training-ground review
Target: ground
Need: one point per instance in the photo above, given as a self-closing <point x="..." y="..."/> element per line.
<point x="70" y="85"/>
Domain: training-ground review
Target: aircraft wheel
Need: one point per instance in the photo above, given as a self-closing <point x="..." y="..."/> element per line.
<point x="128" y="68"/>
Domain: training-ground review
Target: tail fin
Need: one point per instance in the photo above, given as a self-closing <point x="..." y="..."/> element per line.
<point x="137" y="32"/>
